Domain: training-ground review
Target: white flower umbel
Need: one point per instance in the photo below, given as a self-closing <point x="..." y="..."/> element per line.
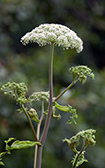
<point x="54" y="33"/>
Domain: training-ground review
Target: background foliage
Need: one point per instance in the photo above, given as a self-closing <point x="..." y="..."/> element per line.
<point x="30" y="65"/>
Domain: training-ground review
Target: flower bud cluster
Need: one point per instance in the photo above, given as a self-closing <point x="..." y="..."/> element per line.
<point x="36" y="96"/>
<point x="16" y="90"/>
<point x="81" y="72"/>
<point x="54" y="33"/>
<point x="87" y="135"/>
<point x="88" y="138"/>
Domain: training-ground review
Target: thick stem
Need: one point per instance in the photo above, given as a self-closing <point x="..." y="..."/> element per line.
<point x="29" y="120"/>
<point x="45" y="130"/>
<point x="47" y="123"/>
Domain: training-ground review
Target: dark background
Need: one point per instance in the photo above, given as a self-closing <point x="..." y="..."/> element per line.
<point x="29" y="64"/>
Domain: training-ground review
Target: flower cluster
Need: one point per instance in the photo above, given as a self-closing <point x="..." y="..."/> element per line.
<point x="87" y="135"/>
<point x="54" y="33"/>
<point x="36" y="96"/>
<point x="81" y="72"/>
<point x="88" y="138"/>
<point x="16" y="90"/>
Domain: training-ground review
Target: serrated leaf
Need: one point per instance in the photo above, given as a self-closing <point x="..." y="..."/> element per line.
<point x="23" y="144"/>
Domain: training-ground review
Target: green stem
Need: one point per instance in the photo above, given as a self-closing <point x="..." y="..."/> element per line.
<point x="29" y="120"/>
<point x="38" y="134"/>
<point x="84" y="146"/>
<point x="65" y="90"/>
<point x="47" y="123"/>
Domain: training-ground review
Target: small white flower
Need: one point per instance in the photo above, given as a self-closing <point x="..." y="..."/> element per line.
<point x="54" y="33"/>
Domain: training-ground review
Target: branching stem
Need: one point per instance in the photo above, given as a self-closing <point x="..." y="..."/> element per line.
<point x="82" y="149"/>
<point x="71" y="84"/>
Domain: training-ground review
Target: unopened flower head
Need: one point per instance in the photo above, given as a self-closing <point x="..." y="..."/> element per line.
<point x="54" y="33"/>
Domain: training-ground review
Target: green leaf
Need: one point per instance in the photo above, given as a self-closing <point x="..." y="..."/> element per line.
<point x="72" y="117"/>
<point x="23" y="144"/>
<point x="63" y="108"/>
<point x="81" y="159"/>
<point x="69" y="109"/>
<point x="2" y="154"/>
<point x="10" y="139"/>
<point x="1" y="163"/>
<point x="19" y="144"/>
<point x="8" y="147"/>
<point x="69" y="122"/>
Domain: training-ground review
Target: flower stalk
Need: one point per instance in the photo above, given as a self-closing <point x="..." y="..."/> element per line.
<point x="29" y="120"/>
<point x="71" y="84"/>
<point x="45" y="130"/>
<point x="76" y="160"/>
<point x="38" y="135"/>
<point x="48" y="119"/>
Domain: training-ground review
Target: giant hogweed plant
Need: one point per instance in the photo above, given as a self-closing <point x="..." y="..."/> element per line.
<point x="54" y="35"/>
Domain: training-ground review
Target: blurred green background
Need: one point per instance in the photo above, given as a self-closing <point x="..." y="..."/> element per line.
<point x="29" y="64"/>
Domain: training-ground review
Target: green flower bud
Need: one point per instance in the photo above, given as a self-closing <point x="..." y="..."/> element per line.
<point x="36" y="96"/>
<point x="33" y="115"/>
<point x="81" y="72"/>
